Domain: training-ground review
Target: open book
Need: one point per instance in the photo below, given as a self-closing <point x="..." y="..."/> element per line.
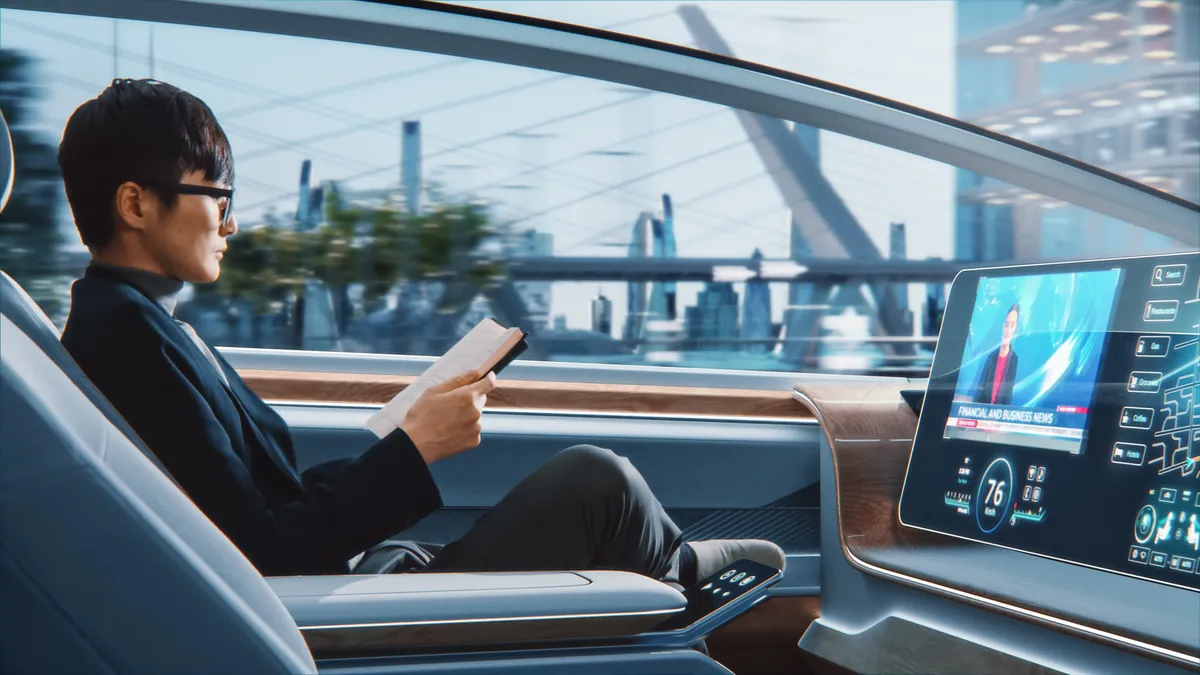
<point x="488" y="347"/>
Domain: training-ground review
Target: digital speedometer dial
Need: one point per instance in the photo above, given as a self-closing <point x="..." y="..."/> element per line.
<point x="992" y="502"/>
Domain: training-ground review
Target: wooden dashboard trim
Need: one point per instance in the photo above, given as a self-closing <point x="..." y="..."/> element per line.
<point x="280" y="385"/>
<point x="870" y="430"/>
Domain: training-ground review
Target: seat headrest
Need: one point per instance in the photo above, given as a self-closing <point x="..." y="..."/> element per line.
<point x="7" y="167"/>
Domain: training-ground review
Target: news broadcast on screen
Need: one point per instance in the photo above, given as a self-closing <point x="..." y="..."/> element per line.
<point x="1031" y="357"/>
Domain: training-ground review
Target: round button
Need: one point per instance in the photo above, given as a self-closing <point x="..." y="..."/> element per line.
<point x="747" y="580"/>
<point x="1143" y="527"/>
<point x="727" y="575"/>
<point x="992" y="499"/>
<point x="738" y="577"/>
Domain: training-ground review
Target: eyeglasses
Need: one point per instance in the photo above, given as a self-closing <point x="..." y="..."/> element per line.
<point x="216" y="193"/>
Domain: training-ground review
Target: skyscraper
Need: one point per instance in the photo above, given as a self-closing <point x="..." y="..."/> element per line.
<point x="935" y="307"/>
<point x="713" y="317"/>
<point x="1111" y="84"/>
<point x="305" y="181"/>
<point x="410" y="165"/>
<point x="662" y="293"/>
<point x="535" y="294"/>
<point x="756" y="311"/>
<point x="898" y="250"/>
<point x="602" y="315"/>
<point x="635" y="317"/>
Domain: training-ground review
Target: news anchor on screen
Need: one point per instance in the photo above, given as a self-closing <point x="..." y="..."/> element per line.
<point x="995" y="381"/>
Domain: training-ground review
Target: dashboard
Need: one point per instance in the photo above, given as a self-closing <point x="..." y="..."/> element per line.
<point x="1062" y="416"/>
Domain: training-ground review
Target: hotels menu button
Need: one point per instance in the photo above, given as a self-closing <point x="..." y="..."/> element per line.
<point x="1133" y="454"/>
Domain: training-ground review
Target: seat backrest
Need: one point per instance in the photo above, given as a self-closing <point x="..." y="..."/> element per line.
<point x="16" y="304"/>
<point x="106" y="566"/>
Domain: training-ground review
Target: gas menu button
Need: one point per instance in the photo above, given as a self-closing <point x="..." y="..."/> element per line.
<point x="1153" y="346"/>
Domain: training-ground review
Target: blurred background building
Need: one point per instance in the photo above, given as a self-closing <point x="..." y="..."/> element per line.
<point x="1114" y="84"/>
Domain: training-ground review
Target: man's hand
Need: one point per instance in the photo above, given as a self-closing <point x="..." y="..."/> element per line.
<point x="445" y="419"/>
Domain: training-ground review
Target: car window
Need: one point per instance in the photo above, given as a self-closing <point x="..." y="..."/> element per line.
<point x="388" y="200"/>
<point x="1116" y="86"/>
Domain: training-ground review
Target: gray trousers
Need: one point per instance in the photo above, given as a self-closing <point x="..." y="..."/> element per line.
<point x="586" y="508"/>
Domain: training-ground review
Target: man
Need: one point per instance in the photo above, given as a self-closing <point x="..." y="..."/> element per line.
<point x="149" y="173"/>
<point x="995" y="381"/>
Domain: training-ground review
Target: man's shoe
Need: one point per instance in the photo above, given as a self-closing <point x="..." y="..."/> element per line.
<point x="713" y="555"/>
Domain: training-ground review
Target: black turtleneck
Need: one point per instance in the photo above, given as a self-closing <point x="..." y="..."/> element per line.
<point x="163" y="290"/>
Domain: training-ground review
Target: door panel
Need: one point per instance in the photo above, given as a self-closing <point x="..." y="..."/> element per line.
<point x="718" y="478"/>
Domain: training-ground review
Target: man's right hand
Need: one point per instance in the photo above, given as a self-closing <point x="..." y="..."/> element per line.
<point x="445" y="419"/>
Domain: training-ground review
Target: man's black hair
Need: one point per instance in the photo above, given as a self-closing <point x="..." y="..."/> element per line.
<point x="143" y="131"/>
<point x="1015" y="308"/>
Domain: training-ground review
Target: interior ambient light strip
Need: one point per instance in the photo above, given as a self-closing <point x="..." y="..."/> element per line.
<point x="498" y="619"/>
<point x="1025" y="613"/>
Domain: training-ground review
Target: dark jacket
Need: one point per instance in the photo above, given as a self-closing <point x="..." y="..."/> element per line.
<point x="232" y="453"/>
<point x="987" y="379"/>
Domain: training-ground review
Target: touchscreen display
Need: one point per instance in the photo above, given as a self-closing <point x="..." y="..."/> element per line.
<point x="1062" y="416"/>
<point x="1037" y="396"/>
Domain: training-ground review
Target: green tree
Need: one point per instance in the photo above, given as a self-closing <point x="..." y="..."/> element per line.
<point x="29" y="239"/>
<point x="375" y="246"/>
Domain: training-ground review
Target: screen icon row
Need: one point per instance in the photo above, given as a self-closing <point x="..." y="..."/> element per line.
<point x="1178" y="563"/>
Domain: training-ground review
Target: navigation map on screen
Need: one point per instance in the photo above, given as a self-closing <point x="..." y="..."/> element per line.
<point x="1031" y="358"/>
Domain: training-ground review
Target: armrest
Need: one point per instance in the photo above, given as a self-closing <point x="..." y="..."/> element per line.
<point x="395" y="613"/>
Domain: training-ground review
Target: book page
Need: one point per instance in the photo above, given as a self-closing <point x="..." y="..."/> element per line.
<point x="479" y="349"/>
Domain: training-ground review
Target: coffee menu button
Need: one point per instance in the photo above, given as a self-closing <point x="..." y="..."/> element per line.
<point x="1136" y="418"/>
